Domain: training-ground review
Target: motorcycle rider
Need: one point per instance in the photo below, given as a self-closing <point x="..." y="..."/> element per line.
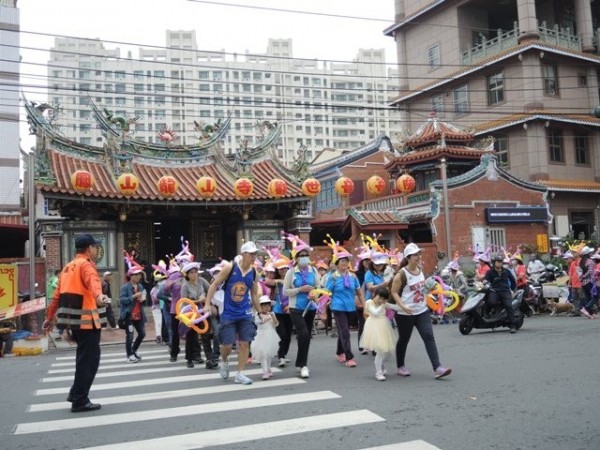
<point x="535" y="267"/>
<point x="502" y="282"/>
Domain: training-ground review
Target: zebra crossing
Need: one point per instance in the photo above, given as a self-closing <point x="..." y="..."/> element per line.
<point x="172" y="406"/>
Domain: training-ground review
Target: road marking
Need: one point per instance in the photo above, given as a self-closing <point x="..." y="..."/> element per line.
<point x="411" y="445"/>
<point x="132" y="369"/>
<point x="122" y="359"/>
<point x="172" y="394"/>
<point x="264" y="430"/>
<point x="141" y="416"/>
<point x="122" y="353"/>
<point x="151" y="381"/>
<point x="141" y="365"/>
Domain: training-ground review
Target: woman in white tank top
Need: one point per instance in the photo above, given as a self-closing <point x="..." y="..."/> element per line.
<point x="407" y="292"/>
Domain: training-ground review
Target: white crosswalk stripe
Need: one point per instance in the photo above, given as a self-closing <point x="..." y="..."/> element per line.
<point x="156" y="390"/>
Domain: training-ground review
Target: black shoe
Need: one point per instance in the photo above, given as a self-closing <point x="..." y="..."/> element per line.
<point x="173" y="358"/>
<point x="199" y="360"/>
<point x="189" y="363"/>
<point x="85" y="408"/>
<point x="70" y="398"/>
<point x="212" y="364"/>
<point x="513" y="330"/>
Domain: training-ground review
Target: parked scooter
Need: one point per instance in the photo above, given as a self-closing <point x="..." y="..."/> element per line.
<point x="475" y="312"/>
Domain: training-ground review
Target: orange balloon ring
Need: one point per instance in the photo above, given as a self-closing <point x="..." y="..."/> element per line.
<point x="187" y="313"/>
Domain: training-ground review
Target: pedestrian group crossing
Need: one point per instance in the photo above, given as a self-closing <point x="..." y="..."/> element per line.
<point x="153" y="387"/>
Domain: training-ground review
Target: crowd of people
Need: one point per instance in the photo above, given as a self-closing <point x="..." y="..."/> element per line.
<point x="255" y="307"/>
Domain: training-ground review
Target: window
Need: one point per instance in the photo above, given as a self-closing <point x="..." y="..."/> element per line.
<point x="433" y="57"/>
<point x="495" y="84"/>
<point x="120" y="74"/>
<point x="138" y="74"/>
<point x="501" y="146"/>
<point x="437" y="104"/>
<point x="328" y="198"/>
<point x="582" y="154"/>
<point x="160" y="74"/>
<point x="550" y="75"/>
<point x="120" y="87"/>
<point x="555" y="145"/>
<point x="461" y="100"/>
<point x="138" y="87"/>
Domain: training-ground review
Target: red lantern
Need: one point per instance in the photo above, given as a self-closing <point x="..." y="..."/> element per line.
<point x="128" y="184"/>
<point x="344" y="186"/>
<point x="405" y="184"/>
<point x="277" y="188"/>
<point x="167" y="186"/>
<point x="243" y="188"/>
<point x="206" y="186"/>
<point x="311" y="187"/>
<point x="376" y="185"/>
<point x="82" y="181"/>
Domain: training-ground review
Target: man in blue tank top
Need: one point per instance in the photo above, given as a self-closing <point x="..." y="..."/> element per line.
<point x="241" y="294"/>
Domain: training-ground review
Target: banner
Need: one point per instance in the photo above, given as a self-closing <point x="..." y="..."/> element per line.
<point x="24" y="308"/>
<point x="8" y="285"/>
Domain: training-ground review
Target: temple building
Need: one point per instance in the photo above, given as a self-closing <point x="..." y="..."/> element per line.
<point x="141" y="196"/>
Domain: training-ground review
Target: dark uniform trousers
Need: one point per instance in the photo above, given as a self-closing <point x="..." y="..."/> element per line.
<point x="87" y="360"/>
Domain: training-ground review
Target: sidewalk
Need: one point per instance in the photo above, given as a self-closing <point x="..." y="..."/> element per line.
<point x="109" y="336"/>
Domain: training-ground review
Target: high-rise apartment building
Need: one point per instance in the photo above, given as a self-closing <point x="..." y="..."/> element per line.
<point x="10" y="191"/>
<point x="522" y="71"/>
<point x="320" y="104"/>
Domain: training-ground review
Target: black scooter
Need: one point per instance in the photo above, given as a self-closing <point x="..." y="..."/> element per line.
<point x="474" y="312"/>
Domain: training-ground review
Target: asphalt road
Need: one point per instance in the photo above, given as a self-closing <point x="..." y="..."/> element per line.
<point x="536" y="389"/>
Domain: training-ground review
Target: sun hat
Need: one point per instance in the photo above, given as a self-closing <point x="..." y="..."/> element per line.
<point x="269" y="267"/>
<point x="411" y="249"/>
<point x="586" y="250"/>
<point x="191" y="265"/>
<point x="454" y="265"/>
<point x="264" y="299"/>
<point x="380" y="258"/>
<point x="107" y="273"/>
<point x="281" y="263"/>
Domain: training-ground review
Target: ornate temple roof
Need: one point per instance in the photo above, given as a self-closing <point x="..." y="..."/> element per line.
<point x="58" y="157"/>
<point x="435" y="130"/>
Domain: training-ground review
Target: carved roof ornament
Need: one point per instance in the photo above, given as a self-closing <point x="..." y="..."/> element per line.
<point x="434" y="130"/>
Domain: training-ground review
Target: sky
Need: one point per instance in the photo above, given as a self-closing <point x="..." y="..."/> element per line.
<point x="218" y="24"/>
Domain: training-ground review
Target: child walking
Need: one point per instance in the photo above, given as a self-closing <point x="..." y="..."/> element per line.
<point x="266" y="342"/>
<point x="378" y="334"/>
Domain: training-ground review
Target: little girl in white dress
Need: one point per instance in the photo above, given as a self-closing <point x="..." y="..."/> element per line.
<point x="378" y="334"/>
<point x="266" y="342"/>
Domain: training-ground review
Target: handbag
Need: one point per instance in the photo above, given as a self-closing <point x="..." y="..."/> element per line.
<point x="123" y="321"/>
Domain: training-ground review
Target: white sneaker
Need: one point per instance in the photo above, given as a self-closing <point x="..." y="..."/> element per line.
<point x="281" y="362"/>
<point x="304" y="372"/>
<point x="379" y="376"/>
<point x="132" y="359"/>
<point x="240" y="378"/>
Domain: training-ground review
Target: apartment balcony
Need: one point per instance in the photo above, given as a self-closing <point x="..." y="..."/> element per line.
<point x="491" y="47"/>
<point x="596" y="40"/>
<point x="396" y="201"/>
<point x="561" y="37"/>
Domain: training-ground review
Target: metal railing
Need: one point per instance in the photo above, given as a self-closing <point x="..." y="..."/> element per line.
<point x="395" y="201"/>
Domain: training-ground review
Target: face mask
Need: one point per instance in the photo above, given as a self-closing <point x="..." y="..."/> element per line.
<point x="303" y="261"/>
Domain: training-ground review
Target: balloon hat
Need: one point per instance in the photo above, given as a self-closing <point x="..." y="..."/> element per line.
<point x="297" y="244"/>
<point x="339" y="252"/>
<point x="133" y="266"/>
<point x="184" y="256"/>
<point x="160" y="270"/>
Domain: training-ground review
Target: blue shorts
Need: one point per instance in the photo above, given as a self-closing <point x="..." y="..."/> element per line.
<point x="243" y="330"/>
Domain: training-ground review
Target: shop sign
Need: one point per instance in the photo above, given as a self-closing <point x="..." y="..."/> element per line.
<point x="531" y="214"/>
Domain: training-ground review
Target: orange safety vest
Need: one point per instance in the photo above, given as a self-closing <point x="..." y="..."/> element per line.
<point x="77" y="307"/>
